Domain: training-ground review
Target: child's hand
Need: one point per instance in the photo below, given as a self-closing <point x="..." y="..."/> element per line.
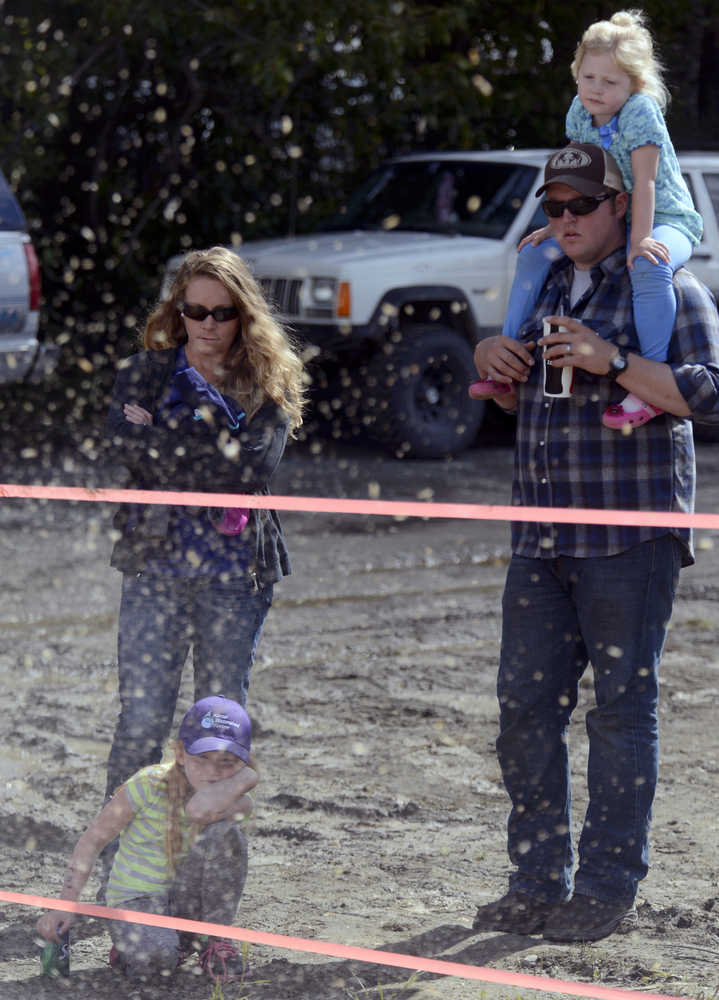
<point x="207" y="807"/>
<point x="650" y="248"/>
<point x="222" y="799"/>
<point x="54" y="923"/>
<point x="535" y="238"/>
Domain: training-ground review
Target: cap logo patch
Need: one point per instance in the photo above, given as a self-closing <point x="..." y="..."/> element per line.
<point x="212" y="720"/>
<point x="570" y="159"/>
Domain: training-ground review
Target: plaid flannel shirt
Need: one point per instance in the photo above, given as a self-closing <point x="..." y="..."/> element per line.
<point x="565" y="457"/>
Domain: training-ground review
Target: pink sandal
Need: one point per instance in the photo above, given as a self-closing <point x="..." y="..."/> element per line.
<point x="487" y="387"/>
<point x="617" y="418"/>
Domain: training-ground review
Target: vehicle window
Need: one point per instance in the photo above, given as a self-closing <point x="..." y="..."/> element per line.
<point x="474" y="199"/>
<point x="11" y="216"/>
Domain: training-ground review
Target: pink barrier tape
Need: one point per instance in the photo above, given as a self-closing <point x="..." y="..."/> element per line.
<point x="370" y="955"/>
<point x="391" y="508"/>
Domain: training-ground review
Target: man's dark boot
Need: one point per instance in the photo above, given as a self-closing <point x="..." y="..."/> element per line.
<point x="514" y="913"/>
<point x="585" y="918"/>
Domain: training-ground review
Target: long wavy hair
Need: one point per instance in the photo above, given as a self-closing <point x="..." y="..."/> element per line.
<point x="626" y="36"/>
<point x="178" y="791"/>
<point x="263" y="363"/>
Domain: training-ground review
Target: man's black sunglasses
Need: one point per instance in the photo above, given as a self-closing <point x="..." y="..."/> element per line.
<point x="577" y="206"/>
<point x="220" y="314"/>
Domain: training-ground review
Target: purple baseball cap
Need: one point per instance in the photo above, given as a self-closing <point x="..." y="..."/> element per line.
<point x="217" y="723"/>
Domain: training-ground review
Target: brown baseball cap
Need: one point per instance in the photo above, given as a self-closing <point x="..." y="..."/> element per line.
<point x="585" y="167"/>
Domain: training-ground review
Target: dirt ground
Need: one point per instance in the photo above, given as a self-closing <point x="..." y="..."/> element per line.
<point x="380" y="814"/>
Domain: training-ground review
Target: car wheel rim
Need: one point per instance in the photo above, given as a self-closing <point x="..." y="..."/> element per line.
<point x="436" y="391"/>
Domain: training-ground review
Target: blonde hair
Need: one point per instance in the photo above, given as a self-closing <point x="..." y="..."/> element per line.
<point x="178" y="789"/>
<point x="262" y="363"/>
<point x="627" y="38"/>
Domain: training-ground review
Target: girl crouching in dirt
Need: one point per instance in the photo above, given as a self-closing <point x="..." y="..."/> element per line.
<point x="182" y="851"/>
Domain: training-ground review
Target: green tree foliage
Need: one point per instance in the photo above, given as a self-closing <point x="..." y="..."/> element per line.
<point x="134" y="131"/>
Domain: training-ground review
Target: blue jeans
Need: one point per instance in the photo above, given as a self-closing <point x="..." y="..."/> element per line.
<point x="160" y="618"/>
<point x="559" y="614"/>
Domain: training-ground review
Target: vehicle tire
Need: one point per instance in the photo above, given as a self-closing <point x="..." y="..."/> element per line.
<point x="417" y="402"/>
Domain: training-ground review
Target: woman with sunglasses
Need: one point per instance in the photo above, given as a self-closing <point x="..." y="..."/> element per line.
<point x="619" y="105"/>
<point x="207" y="406"/>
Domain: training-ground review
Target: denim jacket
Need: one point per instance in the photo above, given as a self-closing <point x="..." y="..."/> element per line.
<point x="193" y="459"/>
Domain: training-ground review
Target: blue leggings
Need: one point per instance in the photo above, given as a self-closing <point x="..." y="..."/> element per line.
<point x="655" y="304"/>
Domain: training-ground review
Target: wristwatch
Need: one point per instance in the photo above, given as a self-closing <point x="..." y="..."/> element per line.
<point x="618" y="364"/>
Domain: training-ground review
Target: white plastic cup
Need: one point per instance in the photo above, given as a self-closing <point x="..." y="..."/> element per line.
<point x="558" y="382"/>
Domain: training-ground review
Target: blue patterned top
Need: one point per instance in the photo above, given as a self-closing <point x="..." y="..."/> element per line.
<point x="641" y="123"/>
<point x="565" y="457"/>
<point x="194" y="547"/>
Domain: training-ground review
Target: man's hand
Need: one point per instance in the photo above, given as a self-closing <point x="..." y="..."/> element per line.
<point x="503" y="359"/>
<point x="577" y="345"/>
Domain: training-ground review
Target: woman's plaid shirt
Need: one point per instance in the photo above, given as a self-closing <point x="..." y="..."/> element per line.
<point x="565" y="457"/>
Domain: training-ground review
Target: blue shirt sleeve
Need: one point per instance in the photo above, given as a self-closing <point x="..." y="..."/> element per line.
<point x="641" y="123"/>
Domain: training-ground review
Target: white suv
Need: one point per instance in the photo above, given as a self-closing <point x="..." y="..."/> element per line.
<point x="22" y="356"/>
<point x="391" y="295"/>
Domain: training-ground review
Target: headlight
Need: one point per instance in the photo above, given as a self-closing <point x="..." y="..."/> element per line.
<point x="323" y="291"/>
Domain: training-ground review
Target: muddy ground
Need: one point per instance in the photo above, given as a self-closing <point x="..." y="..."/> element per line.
<point x="380" y="815"/>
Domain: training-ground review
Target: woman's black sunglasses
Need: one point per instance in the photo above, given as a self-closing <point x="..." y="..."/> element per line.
<point x="577" y="206"/>
<point x="220" y="314"/>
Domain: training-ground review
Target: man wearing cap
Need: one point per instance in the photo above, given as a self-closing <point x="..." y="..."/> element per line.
<point x="580" y="593"/>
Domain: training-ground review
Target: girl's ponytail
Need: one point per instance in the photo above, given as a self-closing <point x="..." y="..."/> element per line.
<point x="177" y="792"/>
<point x="633" y="20"/>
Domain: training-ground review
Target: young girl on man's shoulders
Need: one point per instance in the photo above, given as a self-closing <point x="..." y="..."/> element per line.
<point x="619" y="105"/>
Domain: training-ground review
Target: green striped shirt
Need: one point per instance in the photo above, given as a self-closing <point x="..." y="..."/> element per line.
<point x="140" y="867"/>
